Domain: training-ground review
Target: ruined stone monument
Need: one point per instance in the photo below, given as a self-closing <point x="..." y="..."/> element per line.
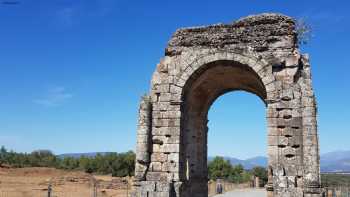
<point x="258" y="54"/>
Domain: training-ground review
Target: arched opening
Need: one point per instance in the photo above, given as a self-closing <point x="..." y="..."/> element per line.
<point x="237" y="133"/>
<point x="237" y="126"/>
<point x="201" y="90"/>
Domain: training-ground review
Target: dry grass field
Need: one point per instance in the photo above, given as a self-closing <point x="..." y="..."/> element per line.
<point x="34" y="182"/>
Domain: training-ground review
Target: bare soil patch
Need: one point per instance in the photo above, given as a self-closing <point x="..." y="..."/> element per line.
<point x="30" y="182"/>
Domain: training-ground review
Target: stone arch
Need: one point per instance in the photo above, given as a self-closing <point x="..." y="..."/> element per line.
<point x="258" y="54"/>
<point x="258" y="65"/>
<point x="202" y="88"/>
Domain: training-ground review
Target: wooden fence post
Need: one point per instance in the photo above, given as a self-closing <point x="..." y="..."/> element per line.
<point x="49" y="190"/>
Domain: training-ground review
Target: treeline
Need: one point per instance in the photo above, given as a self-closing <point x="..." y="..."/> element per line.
<point x="120" y="164"/>
<point x="219" y="168"/>
<point x="117" y="164"/>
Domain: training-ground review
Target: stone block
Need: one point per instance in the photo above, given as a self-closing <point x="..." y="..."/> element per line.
<point x="174" y="89"/>
<point x="143" y="130"/>
<point x="148" y="186"/>
<point x="291" y="170"/>
<point x="156" y="166"/>
<point x="296" y="160"/>
<point x="274" y="131"/>
<point x="142" y="147"/>
<point x="310" y="130"/>
<point x="272" y="152"/>
<point x="293" y="104"/>
<point x="309" y="120"/>
<point x="164" y="186"/>
<point x="159" y="157"/>
<point x="171" y="148"/>
<point x="161" y="88"/>
<point x="173" y="131"/>
<point x="292" y="60"/>
<point x="166" y="122"/>
<point x="140" y="167"/>
<point x="291" y="131"/>
<point x="268" y="79"/>
<point x="310" y="140"/>
<point x="297" y="112"/>
<point x="291" y="179"/>
<point x="289" y="151"/>
<point x="174" y="157"/>
<point x="309" y="112"/>
<point x="157" y="176"/>
<point x="294" y="122"/>
<point x="282" y="141"/>
<point x="271" y="87"/>
<point x="287" y="94"/>
<point x="308" y="101"/>
<point x="170" y="114"/>
<point x="157" y="148"/>
<point x="164" y="106"/>
<point x="159" y="194"/>
<point x="285" y="113"/>
<point x="166" y="139"/>
<point x="143" y="139"/>
<point x="166" y="148"/>
<point x="272" y="112"/>
<point x="295" y="141"/>
<point x="142" y="156"/>
<point x="169" y="167"/>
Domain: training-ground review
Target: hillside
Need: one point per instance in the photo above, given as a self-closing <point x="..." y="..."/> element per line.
<point x="336" y="161"/>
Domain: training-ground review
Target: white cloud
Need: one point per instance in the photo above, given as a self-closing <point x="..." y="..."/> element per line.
<point x="54" y="97"/>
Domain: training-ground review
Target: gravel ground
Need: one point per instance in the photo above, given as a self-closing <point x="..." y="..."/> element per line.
<point x="244" y="193"/>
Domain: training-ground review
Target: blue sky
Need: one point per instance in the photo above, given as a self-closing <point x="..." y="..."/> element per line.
<point x="72" y="72"/>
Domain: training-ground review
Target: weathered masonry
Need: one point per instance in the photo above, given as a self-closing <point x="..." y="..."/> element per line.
<point x="258" y="54"/>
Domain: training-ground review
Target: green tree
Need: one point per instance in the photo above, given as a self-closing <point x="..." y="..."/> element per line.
<point x="3" y="155"/>
<point x="122" y="164"/>
<point x="261" y="173"/>
<point x="246" y="176"/>
<point x="129" y="159"/>
<point x="236" y="174"/>
<point x="84" y="163"/>
<point x="43" y="158"/>
<point x="91" y="166"/>
<point x="219" y="168"/>
<point x="69" y="163"/>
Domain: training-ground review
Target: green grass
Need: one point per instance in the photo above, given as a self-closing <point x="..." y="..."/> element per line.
<point x="335" y="180"/>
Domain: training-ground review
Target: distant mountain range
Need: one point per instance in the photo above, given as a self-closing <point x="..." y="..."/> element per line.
<point x="336" y="161"/>
<point x="247" y="163"/>
<point x="78" y="155"/>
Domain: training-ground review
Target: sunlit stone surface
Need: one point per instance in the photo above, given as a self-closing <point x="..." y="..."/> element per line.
<point x="258" y="54"/>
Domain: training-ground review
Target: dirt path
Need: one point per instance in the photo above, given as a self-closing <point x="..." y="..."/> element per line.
<point x="244" y="193"/>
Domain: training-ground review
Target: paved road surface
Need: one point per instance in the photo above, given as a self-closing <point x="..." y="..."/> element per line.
<point x="244" y="193"/>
